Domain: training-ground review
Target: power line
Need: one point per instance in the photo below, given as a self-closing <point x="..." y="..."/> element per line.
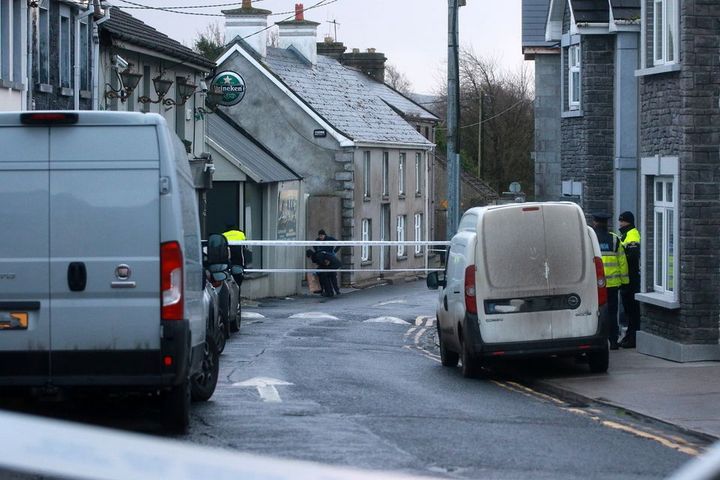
<point x="491" y="118"/>
<point x="177" y="9"/>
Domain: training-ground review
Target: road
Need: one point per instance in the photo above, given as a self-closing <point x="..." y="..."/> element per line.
<point x="363" y="387"/>
<point x="356" y="381"/>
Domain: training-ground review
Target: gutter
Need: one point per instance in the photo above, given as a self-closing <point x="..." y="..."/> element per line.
<point x="95" y="61"/>
<point x="76" y="73"/>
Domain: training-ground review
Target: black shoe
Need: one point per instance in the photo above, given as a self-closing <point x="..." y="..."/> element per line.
<point x="337" y="293"/>
<point x="627" y="342"/>
<point x="614" y="345"/>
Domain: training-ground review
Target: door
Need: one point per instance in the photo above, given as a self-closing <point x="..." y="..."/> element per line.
<point x="105" y="242"/>
<point x="24" y="245"/>
<point x="385" y="235"/>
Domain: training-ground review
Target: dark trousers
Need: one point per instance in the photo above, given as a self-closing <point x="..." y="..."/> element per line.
<point x="631" y="306"/>
<point x="614" y="330"/>
<point x="328" y="282"/>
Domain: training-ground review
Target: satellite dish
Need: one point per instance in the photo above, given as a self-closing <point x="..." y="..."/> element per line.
<point x="515" y="187"/>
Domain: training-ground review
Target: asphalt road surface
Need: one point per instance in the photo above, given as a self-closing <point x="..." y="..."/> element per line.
<point x="356" y="381"/>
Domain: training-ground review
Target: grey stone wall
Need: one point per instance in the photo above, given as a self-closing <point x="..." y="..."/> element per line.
<point x="587" y="141"/>
<point x="680" y="117"/>
<point x="547" y="127"/>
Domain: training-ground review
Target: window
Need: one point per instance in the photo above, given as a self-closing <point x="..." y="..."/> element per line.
<point x="64" y="60"/>
<point x="84" y="55"/>
<point x="665" y="26"/>
<point x="401" y="235"/>
<point x="418" y="174"/>
<point x="43" y="49"/>
<point x="418" y="233"/>
<point x="11" y="40"/>
<point x="365" y="250"/>
<point x="401" y="175"/>
<point x="664" y="234"/>
<point x="366" y="174"/>
<point x="386" y="174"/>
<point x="574" y="77"/>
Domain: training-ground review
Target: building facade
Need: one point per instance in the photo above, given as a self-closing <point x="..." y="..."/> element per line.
<point x="15" y="77"/>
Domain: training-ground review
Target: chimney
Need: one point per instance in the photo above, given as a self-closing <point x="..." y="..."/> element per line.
<point x="249" y="22"/>
<point x="331" y="48"/>
<point x="371" y="63"/>
<point x="300" y="34"/>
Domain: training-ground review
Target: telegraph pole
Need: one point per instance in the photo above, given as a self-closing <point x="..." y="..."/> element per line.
<point x="453" y="91"/>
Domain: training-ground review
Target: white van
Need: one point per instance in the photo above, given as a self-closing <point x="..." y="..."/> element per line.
<point x="522" y="280"/>
<point x="100" y="268"/>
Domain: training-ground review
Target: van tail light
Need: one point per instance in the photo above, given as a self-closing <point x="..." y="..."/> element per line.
<point x="601" y="284"/>
<point x="171" y="281"/>
<point x="470" y="298"/>
<point x="46" y="118"/>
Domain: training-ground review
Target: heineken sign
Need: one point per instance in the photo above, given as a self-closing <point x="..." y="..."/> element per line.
<point x="232" y="87"/>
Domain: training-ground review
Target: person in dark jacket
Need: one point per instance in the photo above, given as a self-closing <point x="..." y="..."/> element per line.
<point x="630" y="238"/>
<point x="328" y="279"/>
<point x="331" y="250"/>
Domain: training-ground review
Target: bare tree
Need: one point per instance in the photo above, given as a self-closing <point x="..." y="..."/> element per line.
<point x="396" y="79"/>
<point x="502" y="125"/>
<point x="210" y="43"/>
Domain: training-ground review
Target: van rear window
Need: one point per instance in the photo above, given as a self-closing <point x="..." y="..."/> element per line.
<point x="533" y="249"/>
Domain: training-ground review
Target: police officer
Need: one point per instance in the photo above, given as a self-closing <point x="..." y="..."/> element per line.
<point x="237" y="256"/>
<point x="616" y="270"/>
<point x="630" y="238"/>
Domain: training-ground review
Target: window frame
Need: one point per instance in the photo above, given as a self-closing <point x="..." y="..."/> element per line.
<point x="574" y="68"/>
<point x="386" y="174"/>
<point x="418" y="174"/>
<point x="665" y="44"/>
<point x="401" y="174"/>
<point x="367" y="170"/>
<point x="663" y="281"/>
<point x="65" y="48"/>
<point x="43" y="45"/>
<point x="418" y="220"/>
<point x="400" y="224"/>
<point x="366" y="235"/>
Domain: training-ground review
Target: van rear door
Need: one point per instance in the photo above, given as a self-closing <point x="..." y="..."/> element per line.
<point x="104" y="250"/>
<point x="24" y="247"/>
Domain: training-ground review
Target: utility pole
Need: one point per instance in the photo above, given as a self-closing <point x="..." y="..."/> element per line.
<point x="480" y="125"/>
<point x="453" y="158"/>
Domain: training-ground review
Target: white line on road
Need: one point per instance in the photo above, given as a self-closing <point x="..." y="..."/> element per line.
<point x="389" y="302"/>
<point x="314" y="315"/>
<point x="394" y="320"/>
<point x="419" y="334"/>
<point x="409" y="332"/>
<point x="265" y="387"/>
<point x="251" y="315"/>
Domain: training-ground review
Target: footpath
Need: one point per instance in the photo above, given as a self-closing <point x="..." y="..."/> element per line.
<point x="683" y="394"/>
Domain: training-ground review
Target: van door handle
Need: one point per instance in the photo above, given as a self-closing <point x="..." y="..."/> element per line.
<point x="77" y="276"/>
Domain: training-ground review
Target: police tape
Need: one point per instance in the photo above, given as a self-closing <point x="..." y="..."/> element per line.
<point x="60" y="449"/>
<point x="336" y="243"/>
<point x="315" y="270"/>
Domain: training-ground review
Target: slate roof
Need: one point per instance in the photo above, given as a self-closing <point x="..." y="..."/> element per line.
<point x="534" y="16"/>
<point x="406" y="106"/>
<point x="591" y="11"/>
<point x="125" y="27"/>
<point x="256" y="161"/>
<point x="625" y="9"/>
<point x="343" y="97"/>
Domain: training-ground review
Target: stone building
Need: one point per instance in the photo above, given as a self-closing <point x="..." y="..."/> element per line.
<point x="15" y="77"/>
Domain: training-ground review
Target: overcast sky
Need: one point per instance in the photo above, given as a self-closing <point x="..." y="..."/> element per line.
<point x="411" y="33"/>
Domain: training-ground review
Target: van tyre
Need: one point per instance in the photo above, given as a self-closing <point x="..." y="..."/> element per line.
<point x="447" y="358"/>
<point x="235" y="324"/>
<point x="204" y="382"/>
<point x="599" y="361"/>
<point x="220" y="333"/>
<point x="176" y="408"/>
<point x="470" y="365"/>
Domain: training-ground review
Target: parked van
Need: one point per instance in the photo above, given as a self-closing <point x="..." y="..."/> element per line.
<point x="522" y="280"/>
<point x="100" y="256"/>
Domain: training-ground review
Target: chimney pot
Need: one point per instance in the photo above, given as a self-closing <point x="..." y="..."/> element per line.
<point x="299" y="12"/>
<point x="247" y="4"/>
<point x="371" y="50"/>
<point x="356" y="50"/>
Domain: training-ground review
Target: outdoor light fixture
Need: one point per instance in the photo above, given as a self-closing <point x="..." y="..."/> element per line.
<point x="185" y="90"/>
<point x="162" y="86"/>
<point x="128" y="82"/>
<point x="213" y="97"/>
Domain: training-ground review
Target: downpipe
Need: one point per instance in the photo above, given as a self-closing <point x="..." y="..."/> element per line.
<point x="76" y="69"/>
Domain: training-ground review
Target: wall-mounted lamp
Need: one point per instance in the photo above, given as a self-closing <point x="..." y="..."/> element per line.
<point x="213" y="97"/>
<point x="128" y="82"/>
<point x="162" y="86"/>
<point x="185" y="90"/>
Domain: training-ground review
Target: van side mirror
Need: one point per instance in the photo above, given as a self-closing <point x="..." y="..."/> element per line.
<point x="435" y="281"/>
<point x="217" y="250"/>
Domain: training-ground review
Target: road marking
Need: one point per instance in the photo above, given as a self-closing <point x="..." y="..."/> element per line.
<point x="394" y="320"/>
<point x="669" y="441"/>
<point x="251" y="315"/>
<point x="409" y="332"/>
<point x="265" y="387"/>
<point x="314" y="315"/>
<point x="389" y="302"/>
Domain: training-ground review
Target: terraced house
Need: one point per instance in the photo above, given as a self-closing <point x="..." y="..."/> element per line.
<point x="635" y="94"/>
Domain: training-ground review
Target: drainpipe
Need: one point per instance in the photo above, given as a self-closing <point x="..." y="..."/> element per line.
<point x="76" y="73"/>
<point x="95" y="62"/>
<point x="29" y="67"/>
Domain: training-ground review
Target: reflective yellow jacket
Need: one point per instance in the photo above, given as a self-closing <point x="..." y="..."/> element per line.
<point x="615" y="264"/>
<point x="234" y="235"/>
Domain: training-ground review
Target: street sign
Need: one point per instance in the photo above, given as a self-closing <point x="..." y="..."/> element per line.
<point x="515" y="187"/>
<point x="231" y="85"/>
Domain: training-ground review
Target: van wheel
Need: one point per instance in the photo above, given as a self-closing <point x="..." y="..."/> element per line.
<point x="470" y="365"/>
<point x="235" y="324"/>
<point x="176" y="408"/>
<point x="203" y="384"/>
<point x="220" y="338"/>
<point x="599" y="361"/>
<point x="447" y="357"/>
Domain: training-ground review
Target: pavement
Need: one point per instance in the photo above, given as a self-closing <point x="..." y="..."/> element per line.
<point x="686" y="395"/>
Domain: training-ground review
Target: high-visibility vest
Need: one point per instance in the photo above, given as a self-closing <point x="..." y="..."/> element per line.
<point x="615" y="264"/>
<point x="234" y="235"/>
<point x="632" y="238"/>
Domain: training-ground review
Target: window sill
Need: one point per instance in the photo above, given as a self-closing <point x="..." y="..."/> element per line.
<point x="386" y="197"/>
<point x="658" y="299"/>
<point x="366" y="263"/>
<point x="667" y="68"/>
<point x="418" y="194"/>
<point x="85" y="94"/>
<point x="66" y="92"/>
<point x="366" y="199"/>
<point x="12" y="85"/>
<point x="44" y="88"/>
<point x="419" y="255"/>
<point x="401" y="196"/>
<point x="401" y="258"/>
<point x="571" y="114"/>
